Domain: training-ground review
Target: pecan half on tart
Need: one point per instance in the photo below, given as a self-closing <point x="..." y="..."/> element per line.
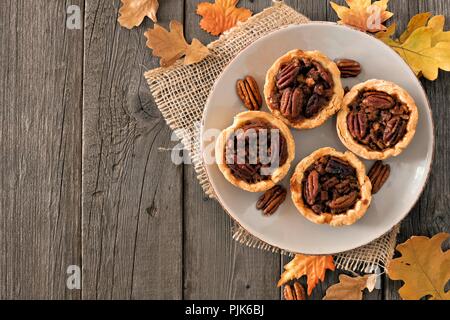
<point x="330" y="187"/>
<point x="303" y="88"/>
<point x="255" y="152"/>
<point x="378" y="120"/>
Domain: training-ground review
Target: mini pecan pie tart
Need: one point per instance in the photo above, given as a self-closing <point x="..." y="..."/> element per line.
<point x="330" y="187"/>
<point x="255" y="152"/>
<point x="378" y="120"/>
<point x="303" y="88"/>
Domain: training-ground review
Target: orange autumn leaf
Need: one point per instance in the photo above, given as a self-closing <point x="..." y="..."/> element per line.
<point x="363" y="14"/>
<point x="133" y="12"/>
<point x="171" y="45"/>
<point x="423" y="267"/>
<point x="314" y="267"/>
<point x="221" y="15"/>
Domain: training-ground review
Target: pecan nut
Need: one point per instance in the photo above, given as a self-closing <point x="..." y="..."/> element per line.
<point x="378" y="175"/>
<point x="246" y="172"/>
<point x="377" y="100"/>
<point x="357" y="124"/>
<point x="324" y="74"/>
<point x="349" y="68"/>
<point x="271" y="200"/>
<point x="314" y="104"/>
<point x="312" y="187"/>
<point x="294" y="292"/>
<point x="248" y="91"/>
<point x="394" y="131"/>
<point x="330" y="183"/>
<point x="288" y="74"/>
<point x="291" y="103"/>
<point x="343" y="202"/>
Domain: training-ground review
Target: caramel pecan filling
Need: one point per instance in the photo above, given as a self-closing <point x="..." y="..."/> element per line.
<point x="303" y="88"/>
<point x="377" y="120"/>
<point x="252" y="153"/>
<point x="330" y="185"/>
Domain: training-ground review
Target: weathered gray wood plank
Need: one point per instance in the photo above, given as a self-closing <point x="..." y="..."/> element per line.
<point x="215" y="266"/>
<point x="40" y="148"/>
<point x="431" y="213"/>
<point x="132" y="195"/>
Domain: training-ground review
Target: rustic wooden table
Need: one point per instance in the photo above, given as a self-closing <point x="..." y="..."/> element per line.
<point x="85" y="178"/>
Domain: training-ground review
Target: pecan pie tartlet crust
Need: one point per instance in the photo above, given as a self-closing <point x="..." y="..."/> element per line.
<point x="365" y="151"/>
<point x="350" y="216"/>
<point x="278" y="174"/>
<point x="327" y="110"/>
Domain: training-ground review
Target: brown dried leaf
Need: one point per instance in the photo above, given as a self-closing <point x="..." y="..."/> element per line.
<point x="350" y="288"/>
<point x="423" y="267"/>
<point x="133" y="12"/>
<point x="171" y="45"/>
<point x="221" y="15"/>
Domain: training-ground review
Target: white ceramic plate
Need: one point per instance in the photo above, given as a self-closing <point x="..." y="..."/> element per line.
<point x="287" y="229"/>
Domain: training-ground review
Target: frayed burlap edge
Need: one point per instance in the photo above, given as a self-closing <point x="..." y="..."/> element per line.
<point x="180" y="92"/>
<point x="363" y="259"/>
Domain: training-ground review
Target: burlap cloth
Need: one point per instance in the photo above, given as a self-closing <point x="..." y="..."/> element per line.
<point x="180" y="92"/>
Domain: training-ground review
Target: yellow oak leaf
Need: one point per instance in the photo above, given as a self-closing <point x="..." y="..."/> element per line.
<point x="221" y="15"/>
<point x="171" y="45"/>
<point x="423" y="45"/>
<point x="363" y="14"/>
<point x="423" y="267"/>
<point x="419" y="20"/>
<point x="314" y="267"/>
<point x="133" y="12"/>
<point x="437" y="24"/>
<point x="387" y="34"/>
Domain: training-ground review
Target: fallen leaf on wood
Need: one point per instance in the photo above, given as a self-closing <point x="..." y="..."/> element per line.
<point x="221" y="15"/>
<point x="416" y="22"/>
<point x="133" y="12"/>
<point x="314" y="267"/>
<point x="171" y="45"/>
<point x="437" y="23"/>
<point x="424" y="46"/>
<point x="350" y="288"/>
<point x="423" y="267"/>
<point x="364" y="15"/>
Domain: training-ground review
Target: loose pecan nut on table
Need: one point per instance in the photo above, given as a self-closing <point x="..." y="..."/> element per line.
<point x="294" y="292"/>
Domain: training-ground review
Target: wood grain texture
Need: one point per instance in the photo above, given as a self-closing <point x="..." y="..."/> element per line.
<point x="132" y="195"/>
<point x="431" y="213"/>
<point x="215" y="266"/>
<point x="40" y="149"/>
<point x="87" y="179"/>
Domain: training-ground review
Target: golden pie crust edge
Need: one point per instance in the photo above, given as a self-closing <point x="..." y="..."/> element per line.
<point x="335" y="220"/>
<point x="327" y="111"/>
<point x="278" y="174"/>
<point x="361" y="150"/>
